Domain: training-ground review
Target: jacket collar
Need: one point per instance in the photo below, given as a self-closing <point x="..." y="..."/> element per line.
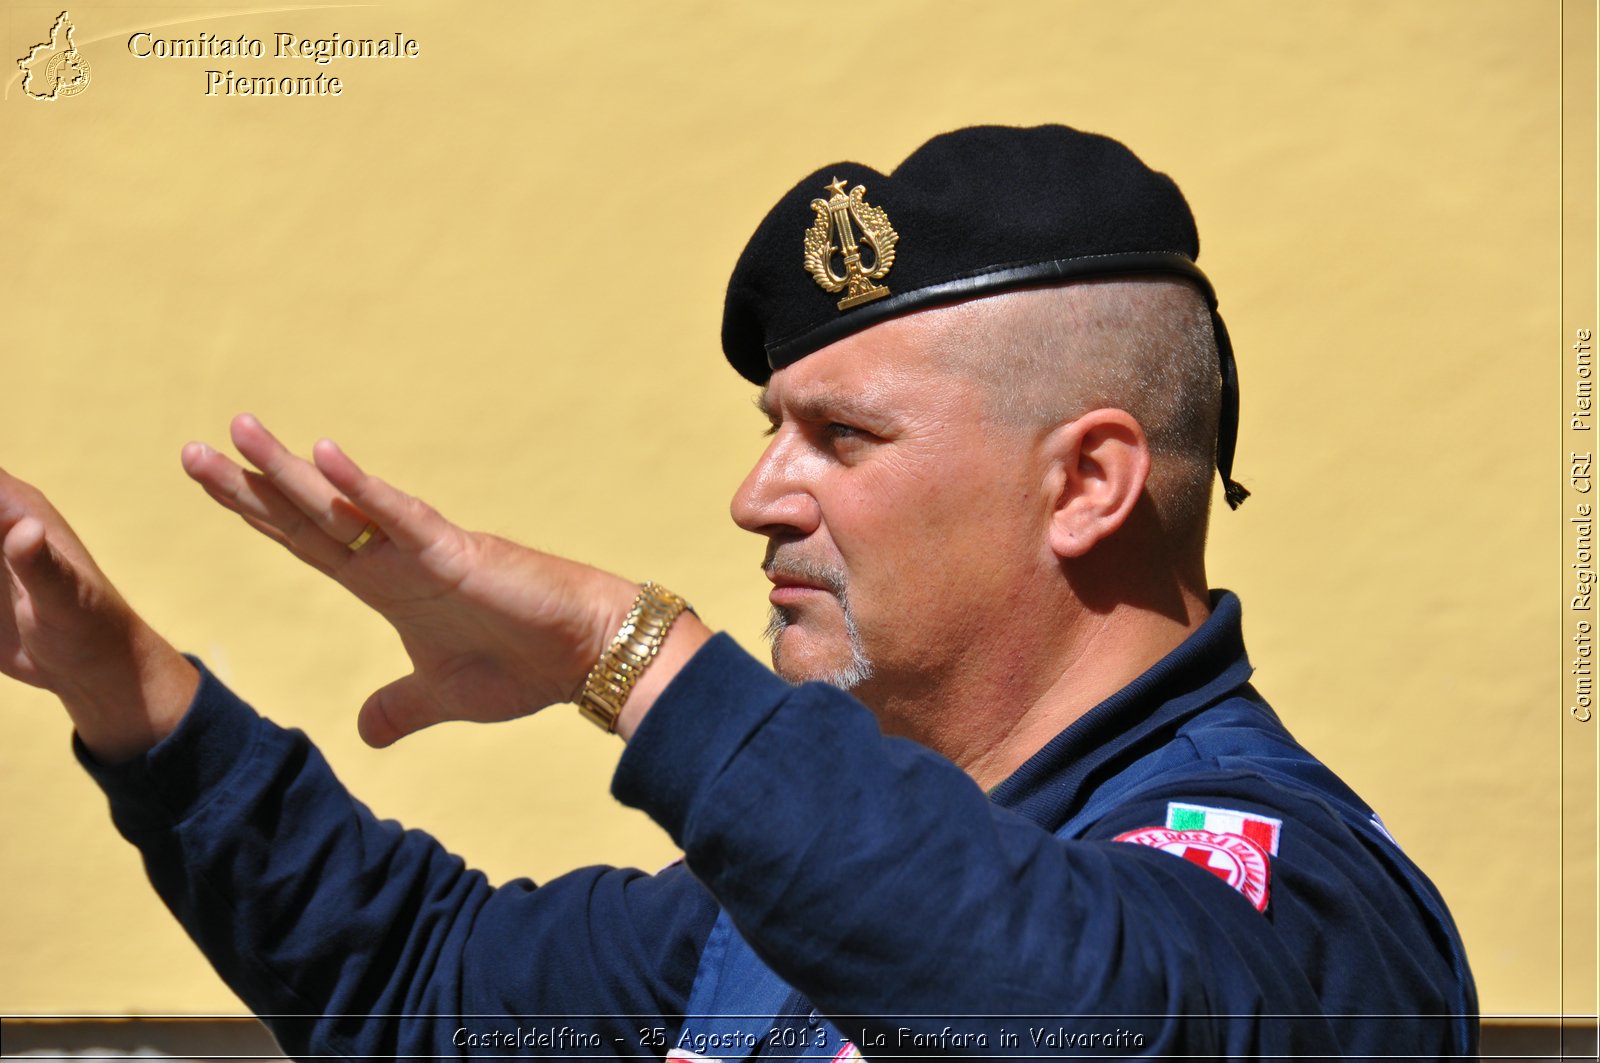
<point x="1205" y="667"/>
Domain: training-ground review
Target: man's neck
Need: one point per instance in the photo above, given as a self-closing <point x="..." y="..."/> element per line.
<point x="994" y="718"/>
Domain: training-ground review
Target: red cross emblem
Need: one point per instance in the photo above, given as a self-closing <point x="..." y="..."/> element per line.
<point x="1233" y="858"/>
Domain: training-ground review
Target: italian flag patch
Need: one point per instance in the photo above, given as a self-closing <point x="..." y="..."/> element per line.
<point x="1260" y="829"/>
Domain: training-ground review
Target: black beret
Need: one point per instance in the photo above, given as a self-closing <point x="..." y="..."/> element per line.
<point x="973" y="212"/>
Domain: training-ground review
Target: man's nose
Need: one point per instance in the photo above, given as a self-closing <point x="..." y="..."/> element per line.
<point x="775" y="499"/>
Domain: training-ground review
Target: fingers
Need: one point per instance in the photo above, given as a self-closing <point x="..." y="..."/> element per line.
<point x="19" y="499"/>
<point x="265" y="508"/>
<point x="30" y="526"/>
<point x="327" y="565"/>
<point x="13" y="661"/>
<point x="21" y="541"/>
<point x="410" y="522"/>
<point x="394" y="711"/>
<point x="61" y="622"/>
<point x="316" y="510"/>
<point x="40" y="570"/>
<point x="298" y="480"/>
<point x="24" y="539"/>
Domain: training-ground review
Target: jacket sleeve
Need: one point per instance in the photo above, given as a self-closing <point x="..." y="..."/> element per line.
<point x="877" y="879"/>
<point x="353" y="937"/>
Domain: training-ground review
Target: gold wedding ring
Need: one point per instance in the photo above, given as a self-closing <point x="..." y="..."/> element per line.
<point x="364" y="538"/>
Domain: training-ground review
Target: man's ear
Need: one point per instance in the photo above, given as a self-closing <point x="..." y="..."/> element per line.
<point x="1098" y="467"/>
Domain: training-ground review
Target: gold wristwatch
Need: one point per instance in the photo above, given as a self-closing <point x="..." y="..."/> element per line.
<point x="636" y="644"/>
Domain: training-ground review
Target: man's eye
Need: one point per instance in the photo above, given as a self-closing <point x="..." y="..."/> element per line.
<point x="770" y="430"/>
<point x="835" y="430"/>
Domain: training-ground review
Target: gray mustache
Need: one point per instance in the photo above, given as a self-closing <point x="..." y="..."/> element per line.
<point x="804" y="568"/>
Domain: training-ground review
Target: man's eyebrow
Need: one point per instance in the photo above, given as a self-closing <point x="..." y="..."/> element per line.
<point x="819" y="405"/>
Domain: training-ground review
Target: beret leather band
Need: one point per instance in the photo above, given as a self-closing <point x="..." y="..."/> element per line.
<point x="783" y="352"/>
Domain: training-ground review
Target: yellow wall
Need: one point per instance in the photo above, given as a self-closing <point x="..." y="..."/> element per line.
<point x="495" y="271"/>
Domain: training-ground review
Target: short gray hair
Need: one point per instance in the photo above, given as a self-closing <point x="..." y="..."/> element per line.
<point x="1146" y="346"/>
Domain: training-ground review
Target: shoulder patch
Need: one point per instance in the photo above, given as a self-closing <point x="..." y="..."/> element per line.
<point x="1234" y="858"/>
<point x="1263" y="830"/>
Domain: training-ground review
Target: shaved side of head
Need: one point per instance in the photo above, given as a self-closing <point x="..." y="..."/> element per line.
<point x="1049" y="355"/>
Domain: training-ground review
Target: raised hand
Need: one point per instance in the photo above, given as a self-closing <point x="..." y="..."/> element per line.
<point x="65" y="628"/>
<point x="494" y="630"/>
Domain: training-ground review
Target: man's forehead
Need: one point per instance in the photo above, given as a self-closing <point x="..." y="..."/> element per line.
<point x="887" y="363"/>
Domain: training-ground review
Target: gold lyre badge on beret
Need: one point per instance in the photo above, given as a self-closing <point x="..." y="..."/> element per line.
<point x="834" y="216"/>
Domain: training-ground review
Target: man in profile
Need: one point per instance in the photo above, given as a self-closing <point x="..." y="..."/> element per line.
<point x="1013" y="794"/>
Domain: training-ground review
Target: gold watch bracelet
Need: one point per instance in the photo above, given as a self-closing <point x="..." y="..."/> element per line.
<point x="634" y="646"/>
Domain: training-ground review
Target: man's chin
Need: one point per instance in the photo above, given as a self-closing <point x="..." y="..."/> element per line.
<point x="799" y="656"/>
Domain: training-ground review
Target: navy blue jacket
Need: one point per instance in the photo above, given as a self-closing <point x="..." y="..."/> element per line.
<point x="915" y="914"/>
